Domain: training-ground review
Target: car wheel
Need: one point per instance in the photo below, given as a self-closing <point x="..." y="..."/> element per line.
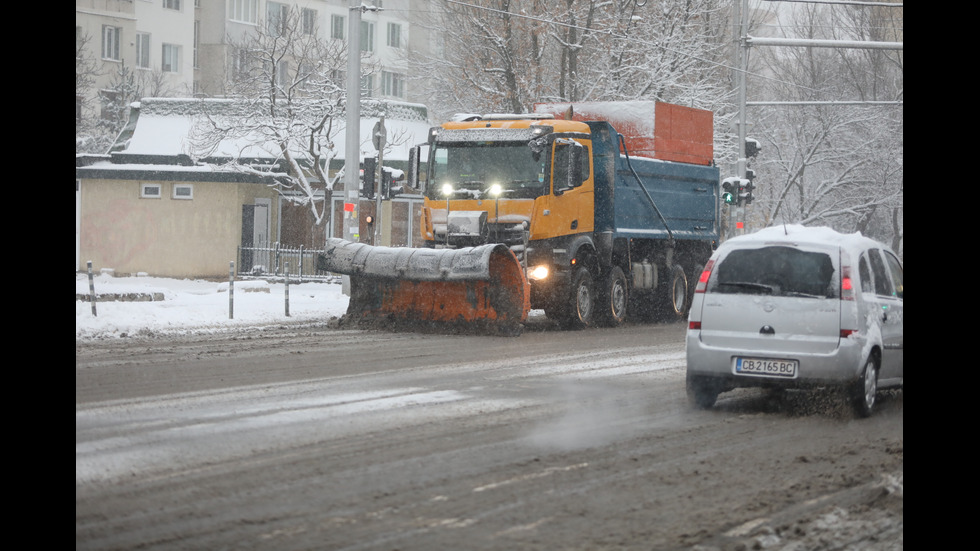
<point x="613" y="298"/>
<point x="580" y="302"/>
<point x="865" y="390"/>
<point x="701" y="393"/>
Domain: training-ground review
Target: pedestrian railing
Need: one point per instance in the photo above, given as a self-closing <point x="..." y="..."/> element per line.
<point x="270" y="262"/>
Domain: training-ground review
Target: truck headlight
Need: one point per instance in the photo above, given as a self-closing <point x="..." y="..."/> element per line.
<point x="538" y="272"/>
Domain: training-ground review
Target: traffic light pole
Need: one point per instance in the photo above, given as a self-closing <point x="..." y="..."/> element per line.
<point x="379" y="139"/>
<point x="352" y="134"/>
<point x="743" y="67"/>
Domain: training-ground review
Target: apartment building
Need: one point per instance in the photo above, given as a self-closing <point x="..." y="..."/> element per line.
<point x="153" y="41"/>
<point x="185" y="48"/>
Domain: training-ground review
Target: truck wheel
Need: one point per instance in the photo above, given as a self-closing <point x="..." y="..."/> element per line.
<point x="613" y="297"/>
<point x="581" y="301"/>
<point x="673" y="296"/>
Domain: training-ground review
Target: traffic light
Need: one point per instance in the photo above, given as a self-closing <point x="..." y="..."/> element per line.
<point x="752" y="147"/>
<point x="370" y="167"/>
<point x="385" y="184"/>
<point x="729" y="188"/>
<point x="749" y="185"/>
<point x="740" y="194"/>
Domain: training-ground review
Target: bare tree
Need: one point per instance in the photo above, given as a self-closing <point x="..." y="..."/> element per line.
<point x="86" y="73"/>
<point x="493" y="56"/>
<point x="832" y="163"/>
<point x="287" y="87"/>
<point x="503" y="56"/>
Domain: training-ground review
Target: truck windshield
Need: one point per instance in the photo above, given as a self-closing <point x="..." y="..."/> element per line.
<point x="472" y="169"/>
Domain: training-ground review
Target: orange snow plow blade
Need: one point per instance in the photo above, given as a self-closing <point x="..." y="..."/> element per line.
<point x="470" y="289"/>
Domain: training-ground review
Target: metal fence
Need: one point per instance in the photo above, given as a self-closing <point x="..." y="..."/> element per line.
<point x="270" y="263"/>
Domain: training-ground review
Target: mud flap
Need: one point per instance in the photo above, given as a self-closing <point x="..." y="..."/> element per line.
<point x="475" y="289"/>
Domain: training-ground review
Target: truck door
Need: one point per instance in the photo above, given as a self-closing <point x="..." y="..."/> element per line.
<point x="569" y="209"/>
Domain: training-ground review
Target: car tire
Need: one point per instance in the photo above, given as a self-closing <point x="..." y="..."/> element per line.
<point x="613" y="296"/>
<point x="701" y="392"/>
<point x="865" y="390"/>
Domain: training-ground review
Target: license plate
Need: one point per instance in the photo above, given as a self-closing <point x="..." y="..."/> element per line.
<point x="766" y="367"/>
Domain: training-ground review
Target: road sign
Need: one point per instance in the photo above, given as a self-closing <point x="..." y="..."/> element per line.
<point x="379" y="136"/>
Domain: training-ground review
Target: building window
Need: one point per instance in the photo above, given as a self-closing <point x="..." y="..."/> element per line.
<point x="392" y="84"/>
<point x="282" y="73"/>
<point x="183" y="191"/>
<point x="337" y="26"/>
<point x="367" y="36"/>
<point x="275" y="17"/>
<point x="143" y="50"/>
<point x="367" y="86"/>
<point x="339" y="78"/>
<point x="308" y="21"/>
<point x="171" y="4"/>
<point x="242" y="62"/>
<point x="243" y="11"/>
<point x="111" y="36"/>
<point x="394" y="35"/>
<point x="150" y="191"/>
<point x="197" y="40"/>
<point x="171" y="59"/>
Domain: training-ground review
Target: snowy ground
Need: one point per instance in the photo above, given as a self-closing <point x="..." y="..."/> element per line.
<point x="196" y="306"/>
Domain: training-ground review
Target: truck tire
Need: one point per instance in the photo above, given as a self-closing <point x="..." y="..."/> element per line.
<point x="674" y="302"/>
<point x="580" y="306"/>
<point x="612" y="298"/>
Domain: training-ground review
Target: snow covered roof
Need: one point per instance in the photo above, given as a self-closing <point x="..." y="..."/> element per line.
<point x="795" y="233"/>
<point x="164" y="126"/>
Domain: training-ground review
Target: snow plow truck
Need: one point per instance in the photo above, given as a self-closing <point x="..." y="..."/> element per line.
<point x="592" y="212"/>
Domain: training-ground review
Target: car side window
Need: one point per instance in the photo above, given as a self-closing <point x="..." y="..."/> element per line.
<point x="867" y="286"/>
<point x="895" y="268"/>
<point x="882" y="284"/>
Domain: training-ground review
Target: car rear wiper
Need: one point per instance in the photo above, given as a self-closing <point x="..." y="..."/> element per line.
<point x="801" y="294"/>
<point x="749" y="285"/>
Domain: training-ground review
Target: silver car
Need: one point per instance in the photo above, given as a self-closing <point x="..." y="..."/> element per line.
<point x="797" y="307"/>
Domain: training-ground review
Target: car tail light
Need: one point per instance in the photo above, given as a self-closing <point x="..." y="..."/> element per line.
<point x="694" y="325"/>
<point x="844" y="333"/>
<point x="846" y="283"/>
<point x="703" y="280"/>
<point x="846" y="287"/>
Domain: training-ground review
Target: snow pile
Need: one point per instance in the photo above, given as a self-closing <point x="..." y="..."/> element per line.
<point x="183" y="306"/>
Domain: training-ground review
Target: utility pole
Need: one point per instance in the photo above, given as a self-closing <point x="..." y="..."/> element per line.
<point x="352" y="152"/>
<point x="743" y="68"/>
<point x="380" y="139"/>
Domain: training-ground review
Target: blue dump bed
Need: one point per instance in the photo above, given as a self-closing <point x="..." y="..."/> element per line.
<point x="629" y="194"/>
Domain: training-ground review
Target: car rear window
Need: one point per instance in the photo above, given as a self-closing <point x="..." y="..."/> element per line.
<point x="778" y="271"/>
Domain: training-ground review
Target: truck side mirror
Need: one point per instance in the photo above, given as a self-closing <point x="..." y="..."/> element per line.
<point x="413" y="167"/>
<point x="576" y="178"/>
<point x="568" y="166"/>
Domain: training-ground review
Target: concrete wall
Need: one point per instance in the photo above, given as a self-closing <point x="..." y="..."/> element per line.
<point x="165" y="236"/>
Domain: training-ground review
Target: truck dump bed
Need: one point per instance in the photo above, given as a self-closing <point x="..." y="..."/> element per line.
<point x="640" y="197"/>
<point x="651" y="128"/>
